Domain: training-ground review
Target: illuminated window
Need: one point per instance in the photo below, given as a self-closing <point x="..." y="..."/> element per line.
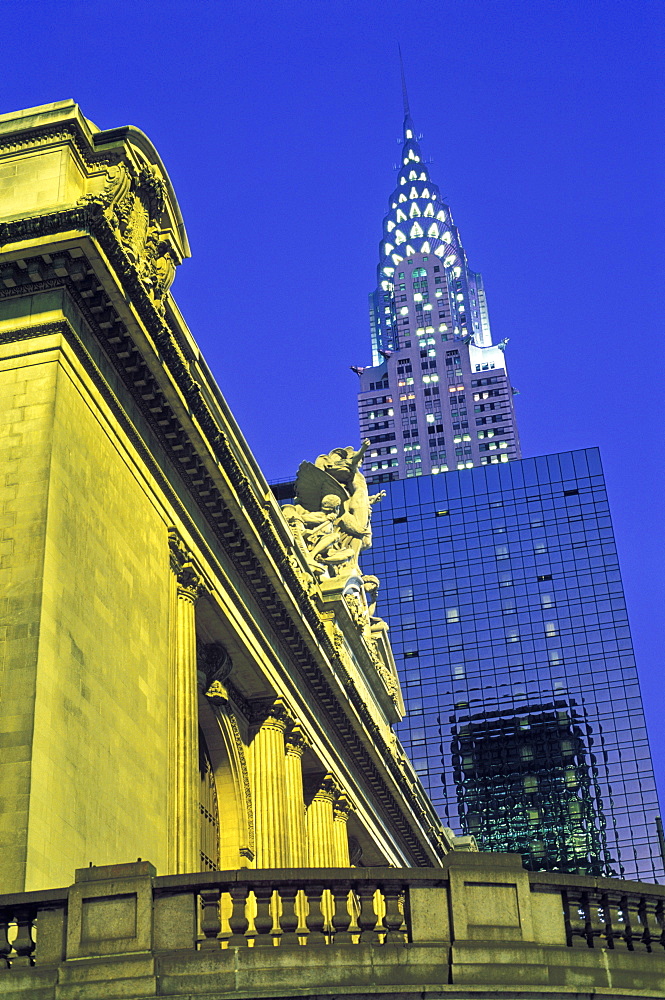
<point x="413" y="176"/>
<point x="433" y="230"/>
<point x="429" y="211"/>
<point x="404" y="310"/>
<point x="396" y="259"/>
<point x="425" y="248"/>
<point x="399" y="237"/>
<point x="387" y="247"/>
<point x="390" y="226"/>
<point x="440" y="250"/>
<point x="402" y="180"/>
<point x="447" y="237"/>
<point x="416" y="230"/>
<point x="402" y="197"/>
<point x="441" y="216"/>
<point x="425" y="193"/>
<point x="452" y="614"/>
<point x="413" y="193"/>
<point x="414" y="212"/>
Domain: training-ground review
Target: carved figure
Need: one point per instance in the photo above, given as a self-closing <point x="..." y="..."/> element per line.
<point x="335" y="475"/>
<point x="371" y="584"/>
<point x="319" y="534"/>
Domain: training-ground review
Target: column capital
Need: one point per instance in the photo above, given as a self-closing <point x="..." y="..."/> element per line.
<point x="296" y="742"/>
<point x="342" y="808"/>
<point x="188" y="576"/>
<point x="271" y="713"/>
<point x="325" y="789"/>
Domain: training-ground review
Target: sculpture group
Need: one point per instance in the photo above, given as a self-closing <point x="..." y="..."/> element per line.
<point x="331" y="515"/>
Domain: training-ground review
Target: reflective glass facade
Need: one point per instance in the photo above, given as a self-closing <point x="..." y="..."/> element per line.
<point x="502" y="589"/>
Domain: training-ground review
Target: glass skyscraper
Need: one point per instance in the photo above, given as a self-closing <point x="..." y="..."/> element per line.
<point x="502" y="590"/>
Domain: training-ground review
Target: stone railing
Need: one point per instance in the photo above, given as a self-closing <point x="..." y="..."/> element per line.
<point x="608" y="913"/>
<point x="481" y="921"/>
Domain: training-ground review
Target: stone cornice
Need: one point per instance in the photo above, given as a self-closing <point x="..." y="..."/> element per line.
<point x="78" y="277"/>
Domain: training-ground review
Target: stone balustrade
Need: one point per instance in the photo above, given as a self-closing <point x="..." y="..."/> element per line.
<point x="482" y="922"/>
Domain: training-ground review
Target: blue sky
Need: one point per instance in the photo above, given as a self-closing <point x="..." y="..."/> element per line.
<point x="278" y="124"/>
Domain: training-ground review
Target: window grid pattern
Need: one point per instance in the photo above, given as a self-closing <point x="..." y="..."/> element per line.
<point x="502" y="589"/>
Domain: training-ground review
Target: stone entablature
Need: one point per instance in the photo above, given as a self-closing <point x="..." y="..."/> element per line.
<point x="481" y="926"/>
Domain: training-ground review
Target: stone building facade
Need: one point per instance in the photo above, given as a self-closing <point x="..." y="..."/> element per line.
<point x="183" y="679"/>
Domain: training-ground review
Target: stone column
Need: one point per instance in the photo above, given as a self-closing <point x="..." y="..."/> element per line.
<point x="341" y="811"/>
<point x="185" y="833"/>
<point x="295" y="801"/>
<point x="269" y="783"/>
<point x="320" y="836"/>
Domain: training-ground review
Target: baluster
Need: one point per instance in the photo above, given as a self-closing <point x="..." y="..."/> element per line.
<point x="394" y="917"/>
<point x="288" y="921"/>
<point x="645" y="922"/>
<point x="354" y="909"/>
<point x="611" y="918"/>
<point x="586" y="906"/>
<point x="627" y="922"/>
<point x="367" y="919"/>
<point x="211" y="923"/>
<point x="577" y="917"/>
<point x="24" y="943"/>
<point x="263" y="920"/>
<point x="341" y="918"/>
<point x="238" y="921"/>
<point x="315" y="919"/>
<point x="5" y="947"/>
<point x="660" y="923"/>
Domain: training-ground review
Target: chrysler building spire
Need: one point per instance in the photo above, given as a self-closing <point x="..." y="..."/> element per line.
<point x="432" y="348"/>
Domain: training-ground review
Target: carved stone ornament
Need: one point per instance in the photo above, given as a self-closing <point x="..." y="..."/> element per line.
<point x="213" y="668"/>
<point x="330" y="519"/>
<point x="188" y="577"/>
<point x="296" y="742"/>
<point x="271" y="713"/>
<point x="133" y="202"/>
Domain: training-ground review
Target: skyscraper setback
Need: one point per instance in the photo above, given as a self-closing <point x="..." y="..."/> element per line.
<point x="437" y="396"/>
